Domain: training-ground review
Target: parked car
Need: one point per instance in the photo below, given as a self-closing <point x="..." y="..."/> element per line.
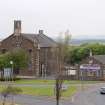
<point x="64" y="87"/>
<point x="102" y="90"/>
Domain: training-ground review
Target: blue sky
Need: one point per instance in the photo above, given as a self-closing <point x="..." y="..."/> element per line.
<point x="84" y="18"/>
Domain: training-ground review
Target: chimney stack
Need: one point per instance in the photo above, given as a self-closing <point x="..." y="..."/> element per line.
<point x="17" y="27"/>
<point x="40" y="31"/>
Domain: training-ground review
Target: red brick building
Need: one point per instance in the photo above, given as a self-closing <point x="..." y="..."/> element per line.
<point x="40" y="48"/>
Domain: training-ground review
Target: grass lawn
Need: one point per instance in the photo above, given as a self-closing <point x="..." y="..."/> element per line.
<point x="51" y="82"/>
<point x="35" y="81"/>
<point x="45" y="91"/>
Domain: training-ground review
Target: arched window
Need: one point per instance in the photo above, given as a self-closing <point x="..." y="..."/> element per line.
<point x="30" y="59"/>
<point x="30" y="51"/>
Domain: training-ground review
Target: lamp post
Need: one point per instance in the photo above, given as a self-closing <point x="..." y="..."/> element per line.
<point x="11" y="62"/>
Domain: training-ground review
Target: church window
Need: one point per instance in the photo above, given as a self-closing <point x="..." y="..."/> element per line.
<point x="30" y="50"/>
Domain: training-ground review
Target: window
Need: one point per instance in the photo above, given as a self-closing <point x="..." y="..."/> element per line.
<point x="3" y="51"/>
<point x="30" y="50"/>
<point x="30" y="59"/>
<point x="30" y="65"/>
<point x="18" y="43"/>
<point x="90" y="73"/>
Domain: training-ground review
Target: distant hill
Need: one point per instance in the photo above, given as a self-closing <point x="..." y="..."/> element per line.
<point x="82" y="41"/>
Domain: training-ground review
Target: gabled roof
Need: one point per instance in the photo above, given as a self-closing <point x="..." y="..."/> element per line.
<point x="31" y="37"/>
<point x="45" y="41"/>
<point x="42" y="39"/>
<point x="100" y="58"/>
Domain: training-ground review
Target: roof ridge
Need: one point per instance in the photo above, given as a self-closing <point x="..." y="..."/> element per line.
<point x="42" y="39"/>
<point x="29" y="33"/>
<point x="47" y="37"/>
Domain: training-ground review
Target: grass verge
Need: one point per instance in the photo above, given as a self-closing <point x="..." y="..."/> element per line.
<point x="51" y="82"/>
<point x="45" y="91"/>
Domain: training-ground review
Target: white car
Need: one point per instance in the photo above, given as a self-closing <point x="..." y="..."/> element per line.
<point x="102" y="90"/>
<point x="64" y="87"/>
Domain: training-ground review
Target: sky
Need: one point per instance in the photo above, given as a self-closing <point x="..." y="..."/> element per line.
<point x="83" y="18"/>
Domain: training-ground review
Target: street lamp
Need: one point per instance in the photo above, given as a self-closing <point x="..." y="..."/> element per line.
<point x="11" y="62"/>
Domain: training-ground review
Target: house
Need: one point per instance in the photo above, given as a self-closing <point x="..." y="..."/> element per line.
<point x="92" y="68"/>
<point x="70" y="72"/>
<point x="40" y="48"/>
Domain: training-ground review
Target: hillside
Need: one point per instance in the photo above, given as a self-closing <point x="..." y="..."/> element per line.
<point x="81" y="41"/>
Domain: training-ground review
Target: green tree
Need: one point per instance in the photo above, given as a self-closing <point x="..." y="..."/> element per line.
<point x="77" y="54"/>
<point x="19" y="58"/>
<point x="1" y="64"/>
<point x="97" y="49"/>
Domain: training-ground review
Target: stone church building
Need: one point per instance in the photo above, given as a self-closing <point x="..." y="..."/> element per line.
<point x="43" y="60"/>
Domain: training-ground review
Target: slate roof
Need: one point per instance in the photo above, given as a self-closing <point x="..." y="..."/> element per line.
<point x="42" y="39"/>
<point x="100" y="58"/>
<point x="31" y="37"/>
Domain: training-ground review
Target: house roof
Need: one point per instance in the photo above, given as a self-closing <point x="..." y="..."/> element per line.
<point x="31" y="37"/>
<point x="100" y="58"/>
<point x="42" y="39"/>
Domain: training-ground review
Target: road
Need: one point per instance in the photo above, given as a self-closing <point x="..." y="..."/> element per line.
<point x="89" y="96"/>
<point x="33" y="100"/>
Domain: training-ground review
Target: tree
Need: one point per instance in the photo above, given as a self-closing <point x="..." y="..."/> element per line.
<point x="1" y="64"/>
<point x="10" y="90"/>
<point x="19" y="58"/>
<point x="63" y="46"/>
<point x="77" y="54"/>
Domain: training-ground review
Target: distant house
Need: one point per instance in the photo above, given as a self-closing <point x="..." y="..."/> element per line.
<point x="92" y="68"/>
<point x="70" y="72"/>
<point x="39" y="47"/>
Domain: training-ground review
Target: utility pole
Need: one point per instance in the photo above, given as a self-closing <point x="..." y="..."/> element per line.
<point x="11" y="62"/>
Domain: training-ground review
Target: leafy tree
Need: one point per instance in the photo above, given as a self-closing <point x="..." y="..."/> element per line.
<point x="97" y="49"/>
<point x="1" y="64"/>
<point x="81" y="52"/>
<point x="19" y="58"/>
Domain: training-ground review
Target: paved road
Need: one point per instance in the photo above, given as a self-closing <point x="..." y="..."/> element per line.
<point x="32" y="100"/>
<point x="90" y="97"/>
